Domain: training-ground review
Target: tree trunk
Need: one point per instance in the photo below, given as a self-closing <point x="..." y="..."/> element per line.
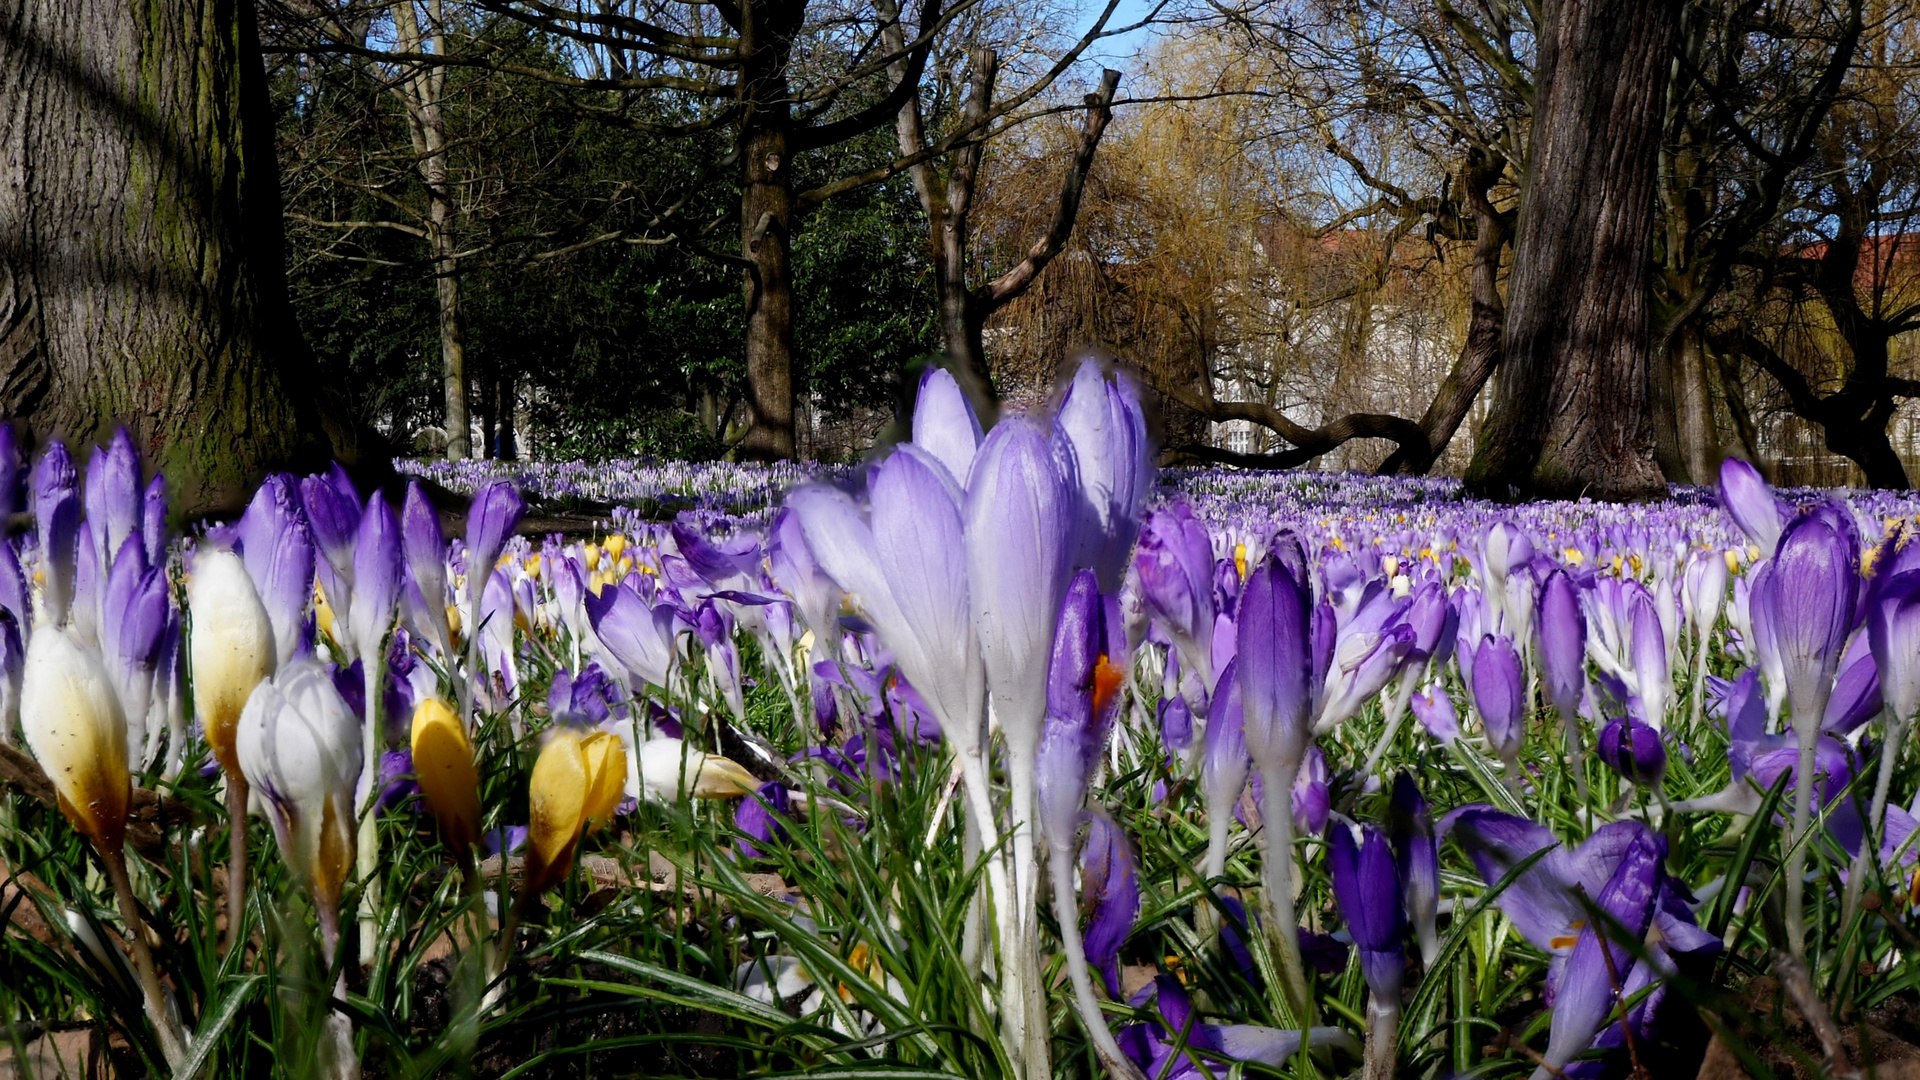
<point x="1699" y="441"/>
<point x="1570" y="417"/>
<point x="421" y="92"/>
<point x="142" y="278"/>
<point x="766" y="220"/>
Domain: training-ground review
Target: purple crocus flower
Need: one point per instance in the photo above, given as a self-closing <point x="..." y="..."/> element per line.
<point x="56" y="522"/>
<point x="762" y="819"/>
<point x="1178" y="1045"/>
<point x="333" y="513"/>
<point x="944" y="425"/>
<point x="1750" y="503"/>
<point x="113" y="494"/>
<point x="1110" y="882"/>
<point x="1808" y="596"/>
<point x="1019" y="532"/>
<point x="1223" y="767"/>
<point x="1499" y="690"/>
<point x="1563" y="643"/>
<point x="1175" y="565"/>
<point x="277" y="548"/>
<point x="1276" y="683"/>
<point x="1620" y="871"/>
<point x="638" y="635"/>
<point x="1311" y="800"/>
<point x="1893" y="632"/>
<point x="426" y="552"/>
<point x="395" y="779"/>
<point x="1634" y="750"/>
<point x="791" y="565"/>
<point x="1101" y="418"/>
<point x="1082" y="692"/>
<point x="496" y="511"/>
<point x="153" y="520"/>
<point x="1417" y="860"/>
<point x="906" y="563"/>
<point x="378" y="573"/>
<point x="1366" y="886"/>
<point x="1433" y="707"/>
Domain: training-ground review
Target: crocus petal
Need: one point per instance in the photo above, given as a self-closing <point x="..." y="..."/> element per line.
<point x="113" y="494"/>
<point x="232" y="647"/>
<point x="56" y="522"/>
<point x="75" y="728"/>
<point x="1747" y="499"/>
<point x="426" y="552"/>
<point x="495" y="513"/>
<point x="1893" y="628"/>
<point x="1417" y="859"/>
<point x="1019" y="530"/>
<point x="944" y="424"/>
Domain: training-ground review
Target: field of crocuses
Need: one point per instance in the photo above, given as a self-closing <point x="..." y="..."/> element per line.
<point x="1002" y="756"/>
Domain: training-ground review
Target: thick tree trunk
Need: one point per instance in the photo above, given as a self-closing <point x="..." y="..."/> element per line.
<point x="141" y="273"/>
<point x="1570" y="416"/>
<point x="766" y="224"/>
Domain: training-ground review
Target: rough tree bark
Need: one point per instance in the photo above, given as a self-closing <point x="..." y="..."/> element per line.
<point x="141" y="273"/>
<point x="766" y="219"/>
<point x="1570" y="413"/>
<point x="421" y="92"/>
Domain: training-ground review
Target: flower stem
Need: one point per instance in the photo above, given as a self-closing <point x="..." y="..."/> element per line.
<point x="172" y="1046"/>
<point x="236" y="857"/>
<point x="1876" y="816"/>
<point x="1383" y="1040"/>
<point x="346" y="1066"/>
<point x="367" y="846"/>
<point x="1797" y="853"/>
<point x="1116" y="1063"/>
<point x="1277" y="867"/>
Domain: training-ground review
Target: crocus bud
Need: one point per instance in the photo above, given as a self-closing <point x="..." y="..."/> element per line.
<point x="56" y="521"/>
<point x="1276" y="649"/>
<point x="443" y="761"/>
<point x="74" y="726"/>
<point x="377" y="576"/>
<point x="298" y="745"/>
<point x="1563" y="643"/>
<point x="426" y="553"/>
<point x="1750" y="503"/>
<point x="232" y="647"/>
<point x="113" y="494"/>
<point x="1019" y="532"/>
<point x="1634" y="750"/>
<point x="669" y="767"/>
<point x="1893" y="629"/>
<point x="1809" y="595"/>
<point x="495" y="512"/>
<point x="1417" y="858"/>
<point x="576" y="780"/>
<point x="1498" y="692"/>
<point x="1366" y="885"/>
